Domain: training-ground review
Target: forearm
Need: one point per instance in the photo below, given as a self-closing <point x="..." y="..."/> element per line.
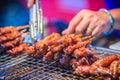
<point x="116" y="15"/>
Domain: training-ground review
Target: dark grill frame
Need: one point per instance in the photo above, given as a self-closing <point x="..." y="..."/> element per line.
<point x="23" y="67"/>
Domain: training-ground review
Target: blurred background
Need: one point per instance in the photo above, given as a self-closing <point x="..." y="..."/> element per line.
<point x="57" y="14"/>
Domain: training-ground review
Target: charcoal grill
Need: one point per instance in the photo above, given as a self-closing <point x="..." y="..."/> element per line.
<point x="23" y="67"/>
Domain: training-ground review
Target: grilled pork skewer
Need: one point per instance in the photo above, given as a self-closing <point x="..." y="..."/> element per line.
<point x="108" y="66"/>
<point x="22" y="27"/>
<point x="55" y="44"/>
<point x="13" y="43"/>
<point x="11" y="29"/>
<point x="8" y="37"/>
<point x="11" y="40"/>
<point x="16" y="50"/>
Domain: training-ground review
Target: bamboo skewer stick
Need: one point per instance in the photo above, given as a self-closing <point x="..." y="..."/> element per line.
<point x="22" y="27"/>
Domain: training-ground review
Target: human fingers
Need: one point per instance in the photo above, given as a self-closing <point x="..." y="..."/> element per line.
<point x="98" y="21"/>
<point x="101" y="26"/>
<point x="64" y="32"/>
<point x="82" y="26"/>
<point x="97" y="31"/>
<point x="73" y="23"/>
<point x="88" y="31"/>
<point x="30" y="3"/>
<point x="91" y="27"/>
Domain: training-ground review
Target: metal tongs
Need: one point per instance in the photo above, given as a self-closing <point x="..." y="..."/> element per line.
<point x="36" y="22"/>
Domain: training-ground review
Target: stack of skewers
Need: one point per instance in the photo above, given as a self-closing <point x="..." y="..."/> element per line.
<point x="71" y="51"/>
<point x="11" y="40"/>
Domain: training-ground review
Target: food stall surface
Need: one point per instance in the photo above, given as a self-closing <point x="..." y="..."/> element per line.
<point x="23" y="67"/>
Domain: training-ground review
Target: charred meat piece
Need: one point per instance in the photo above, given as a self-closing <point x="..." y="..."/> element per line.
<point x="14" y="51"/>
<point x="13" y="43"/>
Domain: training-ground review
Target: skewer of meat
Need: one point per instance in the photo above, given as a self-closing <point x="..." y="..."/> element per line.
<point x="52" y="45"/>
<point x="11" y="36"/>
<point x="53" y="53"/>
<point x="14" y="51"/>
<point x="105" y="61"/>
<point x="101" y="68"/>
<point x="11" y="29"/>
<point x="71" y="49"/>
<point x="13" y="43"/>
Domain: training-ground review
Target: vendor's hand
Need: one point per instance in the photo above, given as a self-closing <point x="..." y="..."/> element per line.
<point x="89" y="22"/>
<point x="30" y="3"/>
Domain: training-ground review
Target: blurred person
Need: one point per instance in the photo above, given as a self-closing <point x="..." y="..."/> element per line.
<point x="96" y="22"/>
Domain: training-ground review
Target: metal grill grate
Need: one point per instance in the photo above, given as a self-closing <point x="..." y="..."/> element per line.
<point x="24" y="67"/>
